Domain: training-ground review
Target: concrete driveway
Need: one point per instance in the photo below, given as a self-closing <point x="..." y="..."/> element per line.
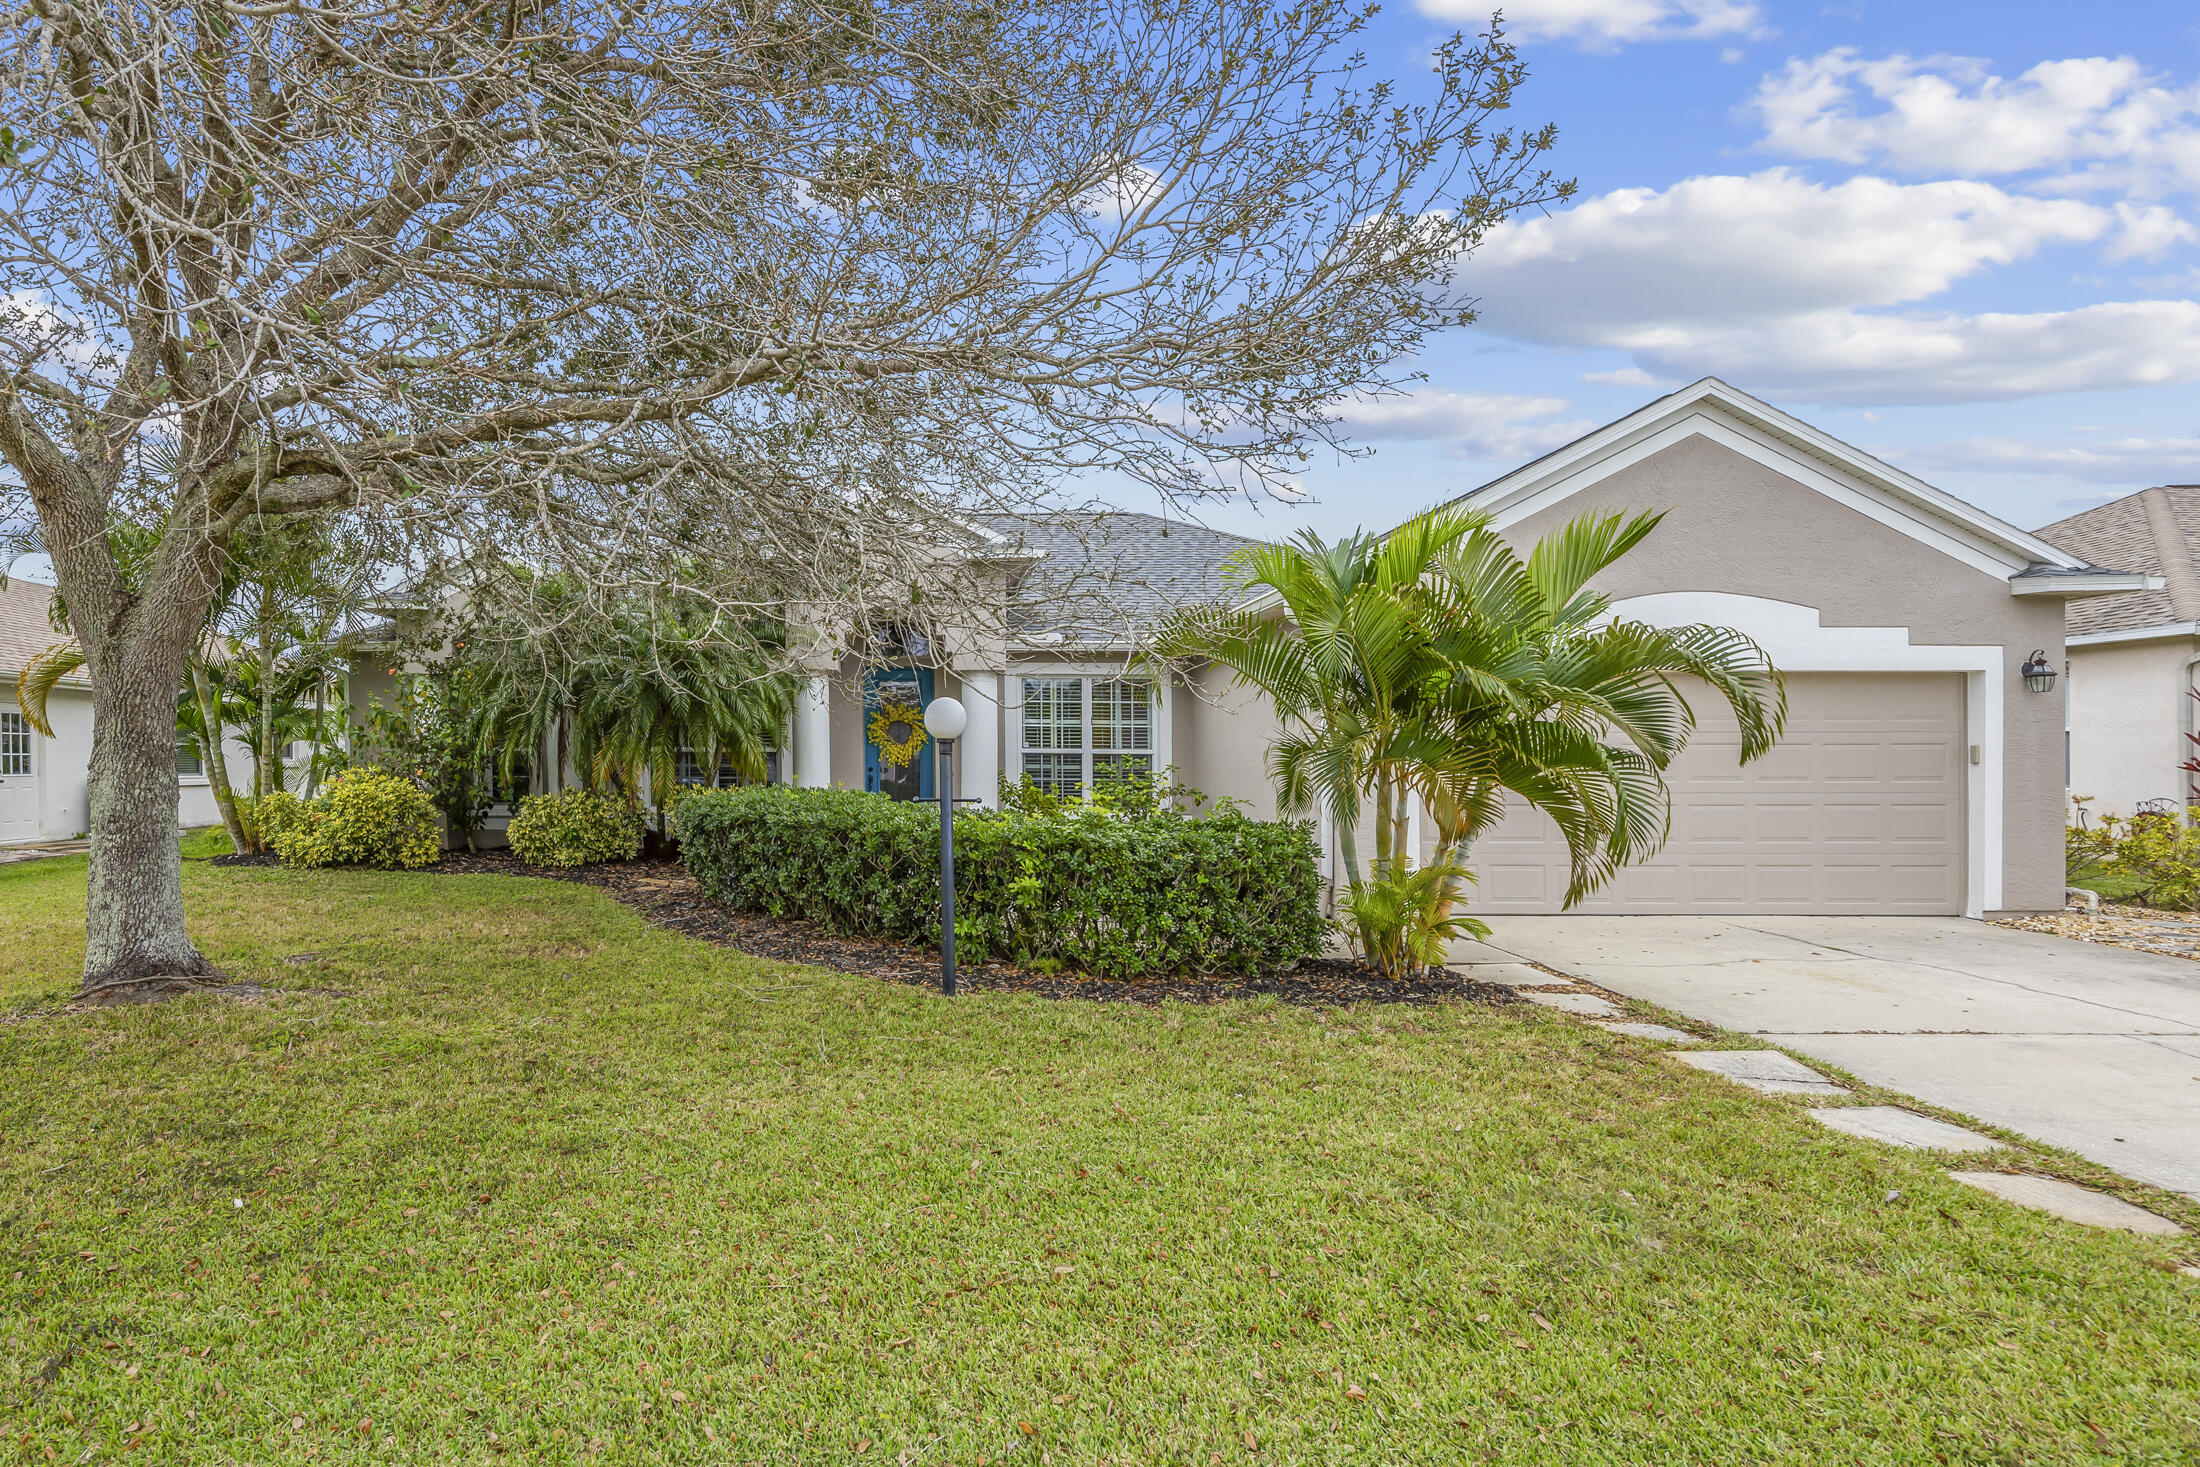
<point x="2092" y="1048"/>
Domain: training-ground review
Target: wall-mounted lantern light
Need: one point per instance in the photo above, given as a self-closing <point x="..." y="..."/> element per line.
<point x="2039" y="673"/>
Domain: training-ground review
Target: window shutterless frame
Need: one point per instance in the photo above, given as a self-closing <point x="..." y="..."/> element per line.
<point x="15" y="744"/>
<point x="1077" y="729"/>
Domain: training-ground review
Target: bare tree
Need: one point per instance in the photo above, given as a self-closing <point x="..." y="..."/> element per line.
<point x="767" y="286"/>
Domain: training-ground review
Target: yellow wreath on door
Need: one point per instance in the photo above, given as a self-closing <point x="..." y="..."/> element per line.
<point x="899" y="751"/>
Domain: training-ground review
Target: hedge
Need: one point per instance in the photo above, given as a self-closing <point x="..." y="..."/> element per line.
<point x="1091" y="893"/>
<point x="575" y="828"/>
<point x="363" y="817"/>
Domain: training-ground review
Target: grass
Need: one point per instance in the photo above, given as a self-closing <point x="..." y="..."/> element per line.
<point x="550" y="1185"/>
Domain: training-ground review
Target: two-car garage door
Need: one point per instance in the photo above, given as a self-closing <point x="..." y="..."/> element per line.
<point x="1859" y="809"/>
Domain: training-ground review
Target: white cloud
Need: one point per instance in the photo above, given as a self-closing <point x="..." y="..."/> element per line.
<point x="1850" y="357"/>
<point x="1783" y="284"/>
<point x="2148" y="232"/>
<point x="1628" y="266"/>
<point x="2126" y="462"/>
<point x="1624" y="377"/>
<point x="1475" y="424"/>
<point x="1601" y="24"/>
<point x="2097" y="121"/>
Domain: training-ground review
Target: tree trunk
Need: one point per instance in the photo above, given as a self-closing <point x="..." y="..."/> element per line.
<point x="270" y="777"/>
<point x="135" y="942"/>
<point x="217" y="758"/>
<point x="320" y="731"/>
<point x="1382" y="826"/>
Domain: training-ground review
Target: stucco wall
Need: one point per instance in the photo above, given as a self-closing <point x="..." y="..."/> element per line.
<point x="2128" y="716"/>
<point x="1734" y="525"/>
<point x="1220" y="741"/>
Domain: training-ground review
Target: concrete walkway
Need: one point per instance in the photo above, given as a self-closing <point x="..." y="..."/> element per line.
<point x="2092" y="1048"/>
<point x="44" y="850"/>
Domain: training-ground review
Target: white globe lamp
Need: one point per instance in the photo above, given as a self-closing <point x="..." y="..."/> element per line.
<point x="945" y="719"/>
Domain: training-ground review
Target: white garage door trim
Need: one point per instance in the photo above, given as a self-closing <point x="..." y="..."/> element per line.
<point x="1795" y="641"/>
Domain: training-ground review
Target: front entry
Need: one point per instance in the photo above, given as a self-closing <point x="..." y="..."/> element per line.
<point x="890" y="690"/>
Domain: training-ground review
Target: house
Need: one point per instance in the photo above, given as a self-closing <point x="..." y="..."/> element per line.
<point x="1919" y="772"/>
<point x="42" y="780"/>
<point x="2131" y="657"/>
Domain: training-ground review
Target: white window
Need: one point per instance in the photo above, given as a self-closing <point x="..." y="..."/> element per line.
<point x="1081" y="729"/>
<point x="15" y="743"/>
<point x="188" y="763"/>
<point x="688" y="768"/>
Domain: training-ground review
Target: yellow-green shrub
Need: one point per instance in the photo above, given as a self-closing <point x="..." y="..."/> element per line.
<point x="574" y="829"/>
<point x="364" y="817"/>
<point x="269" y="816"/>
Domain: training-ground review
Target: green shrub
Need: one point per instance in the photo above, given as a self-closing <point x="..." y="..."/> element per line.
<point x="272" y="814"/>
<point x="1402" y="920"/>
<point x="575" y="828"/>
<point x="2152" y="859"/>
<point x="363" y="817"/>
<point x="1121" y="898"/>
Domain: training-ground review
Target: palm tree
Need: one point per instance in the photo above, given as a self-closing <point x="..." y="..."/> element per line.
<point x="632" y="687"/>
<point x="1435" y="662"/>
<point x="1346" y="666"/>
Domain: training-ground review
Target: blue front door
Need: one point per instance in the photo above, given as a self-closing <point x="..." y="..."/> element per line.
<point x="906" y="685"/>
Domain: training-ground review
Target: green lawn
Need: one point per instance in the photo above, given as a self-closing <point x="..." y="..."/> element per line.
<point x="549" y="1183"/>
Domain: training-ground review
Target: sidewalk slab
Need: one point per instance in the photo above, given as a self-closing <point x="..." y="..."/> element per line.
<point x="1588" y="1005"/>
<point x="2071" y="1202"/>
<point x="1898" y="1127"/>
<point x="1767" y="1070"/>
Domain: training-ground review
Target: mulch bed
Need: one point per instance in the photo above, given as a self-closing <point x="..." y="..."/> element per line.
<point x="2142" y="929"/>
<point x="667" y="895"/>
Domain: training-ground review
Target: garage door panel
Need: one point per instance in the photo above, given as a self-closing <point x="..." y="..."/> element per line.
<point x="1859" y="809"/>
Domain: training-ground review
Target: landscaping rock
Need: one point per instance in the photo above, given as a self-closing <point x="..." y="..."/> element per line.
<point x="1767" y="1070"/>
<point x="1898" y="1127"/>
<point x="1588" y="1005"/>
<point x="2071" y="1202"/>
<point x="1658" y="1032"/>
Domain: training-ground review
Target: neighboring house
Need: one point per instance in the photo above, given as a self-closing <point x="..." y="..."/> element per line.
<point x="2131" y="657"/>
<point x="42" y="780"/>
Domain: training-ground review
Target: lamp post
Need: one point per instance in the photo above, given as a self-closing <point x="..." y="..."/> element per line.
<point x="945" y="720"/>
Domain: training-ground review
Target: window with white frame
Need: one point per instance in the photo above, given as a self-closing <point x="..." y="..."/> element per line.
<point x="1081" y="729"/>
<point x="188" y="763"/>
<point x="689" y="768"/>
<point x="15" y="743"/>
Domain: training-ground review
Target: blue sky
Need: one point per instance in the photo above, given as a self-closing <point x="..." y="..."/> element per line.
<point x="1964" y="236"/>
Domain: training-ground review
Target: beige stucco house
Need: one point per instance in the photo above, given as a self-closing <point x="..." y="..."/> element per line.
<point x="1919" y="774"/>
<point x="2131" y="657"/>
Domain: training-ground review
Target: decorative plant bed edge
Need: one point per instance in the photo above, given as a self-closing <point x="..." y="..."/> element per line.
<point x="668" y="897"/>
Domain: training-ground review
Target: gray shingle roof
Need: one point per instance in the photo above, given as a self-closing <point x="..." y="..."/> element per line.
<point x="2157" y="531"/>
<point x="1105" y="578"/>
<point x="24" y="630"/>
